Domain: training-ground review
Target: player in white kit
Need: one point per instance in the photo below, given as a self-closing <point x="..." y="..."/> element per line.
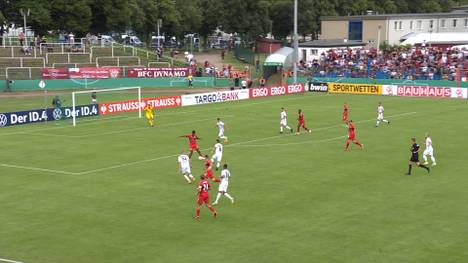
<point x="223" y="185"/>
<point x="429" y="151"/>
<point x="217" y="154"/>
<point x="221" y="127"/>
<point x="184" y="167"/>
<point x="380" y="117"/>
<point x="284" y="121"/>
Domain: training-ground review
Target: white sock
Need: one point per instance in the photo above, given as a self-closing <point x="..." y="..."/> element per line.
<point x="218" y="164"/>
<point x="425" y="158"/>
<point x="433" y="159"/>
<point x="187" y="178"/>
<point x="191" y="177"/>
<point x="287" y="127"/>
<point x="385" y="121"/>
<point x="217" y="197"/>
<point x="281" y="128"/>
<point x="377" y="123"/>
<point x="228" y="196"/>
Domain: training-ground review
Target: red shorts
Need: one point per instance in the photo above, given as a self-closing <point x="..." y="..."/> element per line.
<point x="351" y="136"/>
<point x="301" y="123"/>
<point x="203" y="198"/>
<point x="209" y="173"/>
<point x="193" y="147"/>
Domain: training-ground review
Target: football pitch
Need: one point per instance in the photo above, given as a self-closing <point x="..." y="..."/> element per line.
<point x="109" y="190"/>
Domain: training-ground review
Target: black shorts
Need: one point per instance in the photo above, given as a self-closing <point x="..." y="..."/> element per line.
<point x="414" y="159"/>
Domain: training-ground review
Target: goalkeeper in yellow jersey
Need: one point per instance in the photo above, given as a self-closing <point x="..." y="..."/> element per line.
<point x="149" y="114"/>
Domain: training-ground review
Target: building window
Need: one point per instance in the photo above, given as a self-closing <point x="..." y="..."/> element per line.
<point x="431" y="24"/>
<point x="454" y="23"/>
<point x="419" y="24"/>
<point x="411" y="25"/>
<point x="313" y="52"/>
<point x="400" y="26"/>
<point x="466" y="22"/>
<point x="395" y="25"/>
<point x="442" y="23"/>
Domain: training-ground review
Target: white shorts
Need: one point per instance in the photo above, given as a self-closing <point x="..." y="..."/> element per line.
<point x="429" y="151"/>
<point x="223" y="186"/>
<point x="221" y="133"/>
<point x="186" y="170"/>
<point x="217" y="157"/>
<point x="380" y="117"/>
<point x="284" y="123"/>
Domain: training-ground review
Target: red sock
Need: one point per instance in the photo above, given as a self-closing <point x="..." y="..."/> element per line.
<point x="212" y="209"/>
<point x="198" y="211"/>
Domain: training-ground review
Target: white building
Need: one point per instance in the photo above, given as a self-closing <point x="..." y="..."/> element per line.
<point x="390" y="28"/>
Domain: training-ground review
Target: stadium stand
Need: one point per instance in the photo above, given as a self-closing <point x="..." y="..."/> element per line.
<point x="426" y="63"/>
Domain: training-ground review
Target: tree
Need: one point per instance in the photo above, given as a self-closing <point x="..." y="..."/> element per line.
<point x="110" y="15"/>
<point x="73" y="16"/>
<point x="211" y="16"/>
<point x="281" y="13"/>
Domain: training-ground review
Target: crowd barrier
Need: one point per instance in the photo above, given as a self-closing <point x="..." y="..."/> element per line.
<point x="41" y="115"/>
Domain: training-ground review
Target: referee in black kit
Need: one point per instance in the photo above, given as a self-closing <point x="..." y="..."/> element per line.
<point x="415" y="157"/>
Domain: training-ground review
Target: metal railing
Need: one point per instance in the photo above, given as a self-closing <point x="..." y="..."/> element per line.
<point x="8" y="69"/>
<point x="12" y="51"/>
<point x="22" y="59"/>
<point x="74" y="65"/>
<point x="69" y="56"/>
<point x="64" y="47"/>
<point x="118" y="58"/>
<point x="159" y="63"/>
<point x="113" y="46"/>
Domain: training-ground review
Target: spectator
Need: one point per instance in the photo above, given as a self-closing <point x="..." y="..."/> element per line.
<point x="244" y="84"/>
<point x="21" y="38"/>
<point x="190" y="80"/>
<point x="222" y="54"/>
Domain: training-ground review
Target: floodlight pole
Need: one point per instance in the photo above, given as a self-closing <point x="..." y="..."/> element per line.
<point x="295" y="43"/>
<point x="25" y="14"/>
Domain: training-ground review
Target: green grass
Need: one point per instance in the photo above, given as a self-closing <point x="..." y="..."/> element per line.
<point x="115" y="194"/>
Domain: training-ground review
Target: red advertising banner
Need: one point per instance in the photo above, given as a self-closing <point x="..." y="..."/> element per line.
<point x="133" y="105"/>
<point x="54" y="73"/>
<point x="276" y="91"/>
<point x="93" y="73"/>
<point x="158" y="72"/>
<point x="424" y="91"/>
<point x="80" y="73"/>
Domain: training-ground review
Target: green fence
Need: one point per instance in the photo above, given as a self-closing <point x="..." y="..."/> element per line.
<point x="434" y="83"/>
<point x="244" y="55"/>
<point x="63" y="84"/>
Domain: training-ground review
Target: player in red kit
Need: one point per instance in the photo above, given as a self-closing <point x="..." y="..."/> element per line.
<point x="203" y="197"/>
<point x="352" y="136"/>
<point x="301" y="122"/>
<point x="193" y="145"/>
<point x="345" y="112"/>
<point x="209" y="170"/>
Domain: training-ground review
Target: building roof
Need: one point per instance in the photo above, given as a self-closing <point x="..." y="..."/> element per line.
<point x="437" y="38"/>
<point x="330" y="43"/>
<point x="460" y="11"/>
<point x="281" y="57"/>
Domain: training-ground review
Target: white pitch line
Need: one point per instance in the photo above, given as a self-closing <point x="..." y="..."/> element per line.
<point x="293" y="143"/>
<point x="143" y="128"/>
<point x="9" y="260"/>
<point x="36" y="169"/>
<point x="174" y="155"/>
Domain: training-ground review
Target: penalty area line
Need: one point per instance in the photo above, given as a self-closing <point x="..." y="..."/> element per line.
<point x="10" y="261"/>
<point x="31" y="168"/>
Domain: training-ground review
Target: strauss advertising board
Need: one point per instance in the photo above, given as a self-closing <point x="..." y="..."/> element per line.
<point x="134" y="105"/>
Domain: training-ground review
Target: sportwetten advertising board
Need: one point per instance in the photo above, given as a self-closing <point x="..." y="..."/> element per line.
<point x="349" y="88"/>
